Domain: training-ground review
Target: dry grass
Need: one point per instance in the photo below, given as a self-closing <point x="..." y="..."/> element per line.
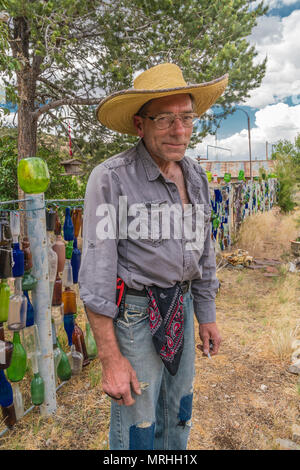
<point x="268" y="234"/>
<point x="244" y="398"/>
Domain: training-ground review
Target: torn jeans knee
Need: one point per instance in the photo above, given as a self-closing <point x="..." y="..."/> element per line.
<point x="141" y="436"/>
<point x="185" y="410"/>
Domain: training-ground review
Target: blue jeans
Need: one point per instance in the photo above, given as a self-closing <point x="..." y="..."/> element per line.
<point x="160" y="418"/>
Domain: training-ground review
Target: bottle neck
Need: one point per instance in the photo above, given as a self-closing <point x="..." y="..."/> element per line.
<point x="16" y="338"/>
<point x="18" y="285"/>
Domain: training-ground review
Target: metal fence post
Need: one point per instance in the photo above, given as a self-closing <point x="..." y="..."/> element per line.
<point x="36" y="229"/>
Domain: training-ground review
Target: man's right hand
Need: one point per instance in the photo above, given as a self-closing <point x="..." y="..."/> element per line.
<point x="118" y="378"/>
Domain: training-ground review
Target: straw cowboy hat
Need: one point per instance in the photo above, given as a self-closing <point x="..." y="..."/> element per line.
<point x="117" y="110"/>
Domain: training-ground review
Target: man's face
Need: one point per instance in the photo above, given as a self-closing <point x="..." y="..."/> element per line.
<point x="167" y="144"/>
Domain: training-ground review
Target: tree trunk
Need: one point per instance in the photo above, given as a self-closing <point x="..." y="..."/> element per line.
<point x="26" y="82"/>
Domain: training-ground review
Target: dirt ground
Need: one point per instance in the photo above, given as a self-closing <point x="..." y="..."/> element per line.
<point x="244" y="398"/>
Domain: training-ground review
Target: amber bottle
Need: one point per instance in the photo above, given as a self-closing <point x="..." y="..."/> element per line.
<point x="79" y="343"/>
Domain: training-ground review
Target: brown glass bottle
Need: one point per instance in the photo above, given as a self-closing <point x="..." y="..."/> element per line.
<point x="77" y="221"/>
<point x="57" y="229"/>
<point x="27" y="254"/>
<point x="9" y="415"/>
<point x="79" y="343"/>
<point x="57" y="291"/>
<point x="60" y="249"/>
<point x="69" y="301"/>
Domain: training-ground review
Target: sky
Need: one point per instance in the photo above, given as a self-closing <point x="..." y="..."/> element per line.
<point x="274" y="107"/>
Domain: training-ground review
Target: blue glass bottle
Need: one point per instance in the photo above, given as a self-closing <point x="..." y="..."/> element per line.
<point x="30" y="311"/>
<point x="69" y="324"/>
<point x="6" y="391"/>
<point x="75" y="261"/>
<point x="18" y="257"/>
<point x="68" y="226"/>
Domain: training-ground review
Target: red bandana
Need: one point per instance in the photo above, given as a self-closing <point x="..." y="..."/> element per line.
<point x="167" y="323"/>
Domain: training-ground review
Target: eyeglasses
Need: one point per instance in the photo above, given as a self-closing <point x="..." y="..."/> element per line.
<point x="166" y="120"/>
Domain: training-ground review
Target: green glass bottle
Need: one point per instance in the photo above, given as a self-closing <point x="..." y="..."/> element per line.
<point x="91" y="346"/>
<point x="227" y="177"/>
<point x="4" y="300"/>
<point x="17" y="368"/>
<point x="37" y="386"/>
<point x="37" y="389"/>
<point x="64" y="371"/>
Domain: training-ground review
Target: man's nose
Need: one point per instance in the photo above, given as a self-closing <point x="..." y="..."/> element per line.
<point x="177" y="126"/>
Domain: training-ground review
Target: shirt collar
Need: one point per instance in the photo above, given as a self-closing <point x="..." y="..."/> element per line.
<point x="151" y="168"/>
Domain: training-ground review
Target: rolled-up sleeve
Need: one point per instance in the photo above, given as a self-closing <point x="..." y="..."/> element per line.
<point x="98" y="270"/>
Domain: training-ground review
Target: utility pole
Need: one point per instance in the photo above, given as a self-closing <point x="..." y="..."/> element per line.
<point x="249" y="140"/>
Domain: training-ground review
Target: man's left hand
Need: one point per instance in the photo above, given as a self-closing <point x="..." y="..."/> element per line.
<point x="209" y="332"/>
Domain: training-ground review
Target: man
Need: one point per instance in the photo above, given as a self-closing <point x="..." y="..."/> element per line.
<point x="146" y="342"/>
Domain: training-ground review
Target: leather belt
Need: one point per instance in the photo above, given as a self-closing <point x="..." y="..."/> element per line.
<point x="185" y="285"/>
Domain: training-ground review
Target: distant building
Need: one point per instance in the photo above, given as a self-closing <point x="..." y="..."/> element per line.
<point x="219" y="168"/>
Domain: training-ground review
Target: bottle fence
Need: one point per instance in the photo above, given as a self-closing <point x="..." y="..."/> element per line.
<point x="38" y="294"/>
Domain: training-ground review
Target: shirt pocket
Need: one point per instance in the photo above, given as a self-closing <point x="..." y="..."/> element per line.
<point x="148" y="225"/>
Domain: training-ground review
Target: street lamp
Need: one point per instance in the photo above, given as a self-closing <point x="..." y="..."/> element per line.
<point x="249" y="139"/>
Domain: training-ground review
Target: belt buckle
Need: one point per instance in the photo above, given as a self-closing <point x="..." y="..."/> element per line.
<point x="185" y="285"/>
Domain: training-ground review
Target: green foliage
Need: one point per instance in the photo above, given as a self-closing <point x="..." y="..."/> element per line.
<point x="61" y="187"/>
<point x="8" y="168"/>
<point x="85" y="49"/>
<point x="287" y="169"/>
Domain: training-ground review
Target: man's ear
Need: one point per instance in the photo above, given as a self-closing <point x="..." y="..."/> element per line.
<point x="138" y="124"/>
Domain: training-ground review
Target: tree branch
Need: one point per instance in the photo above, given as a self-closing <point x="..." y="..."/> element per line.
<point x="63" y="102"/>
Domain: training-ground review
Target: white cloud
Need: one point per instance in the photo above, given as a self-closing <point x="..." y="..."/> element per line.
<point x="277" y="38"/>
<point x="273" y="123"/>
<point x="276" y="3"/>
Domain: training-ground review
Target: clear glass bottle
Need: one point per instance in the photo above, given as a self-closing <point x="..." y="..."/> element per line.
<point x="50" y="219"/>
<point x="15" y="225"/>
<point x="18" y="401"/>
<point x="56" y="353"/>
<point x="5" y="231"/>
<point x="57" y="315"/>
<point x="6" y="349"/>
<point x="52" y="265"/>
<point x="17" y="308"/>
<point x="77" y="361"/>
<point x="6" y="260"/>
<point x="75" y="261"/>
<point x="67" y="276"/>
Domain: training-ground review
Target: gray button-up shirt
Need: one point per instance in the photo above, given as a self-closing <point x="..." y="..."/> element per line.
<point x="111" y="248"/>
